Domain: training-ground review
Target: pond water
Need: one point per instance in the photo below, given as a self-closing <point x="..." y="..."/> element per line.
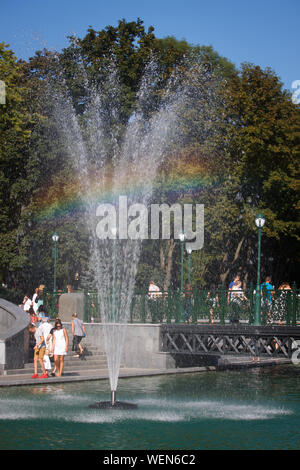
<point x="257" y="408"/>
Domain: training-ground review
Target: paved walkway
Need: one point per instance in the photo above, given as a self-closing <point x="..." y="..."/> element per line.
<point x="102" y="374"/>
<point x="99" y="374"/>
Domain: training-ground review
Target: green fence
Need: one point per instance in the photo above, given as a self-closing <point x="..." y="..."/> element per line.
<point x="51" y="302"/>
<point x="197" y="306"/>
<point x="204" y="306"/>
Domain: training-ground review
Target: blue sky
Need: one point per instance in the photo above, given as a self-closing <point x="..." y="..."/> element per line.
<point x="264" y="32"/>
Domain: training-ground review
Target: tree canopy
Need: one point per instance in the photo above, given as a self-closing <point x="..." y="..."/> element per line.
<point x="237" y="152"/>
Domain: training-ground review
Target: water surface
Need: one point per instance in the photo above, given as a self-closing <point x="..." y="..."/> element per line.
<point x="252" y="409"/>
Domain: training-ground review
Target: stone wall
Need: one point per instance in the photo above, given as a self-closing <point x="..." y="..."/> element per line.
<point x="69" y="304"/>
<point x="14" y="336"/>
<point x="142" y="348"/>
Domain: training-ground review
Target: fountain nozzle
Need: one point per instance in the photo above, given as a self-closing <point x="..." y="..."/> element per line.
<point x="113" y="403"/>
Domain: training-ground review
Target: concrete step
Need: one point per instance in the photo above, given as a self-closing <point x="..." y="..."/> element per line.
<point x="70" y="359"/>
<point x="77" y="362"/>
<point x="71" y="367"/>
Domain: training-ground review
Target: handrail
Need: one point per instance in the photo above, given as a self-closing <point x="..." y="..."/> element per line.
<point x="206" y="306"/>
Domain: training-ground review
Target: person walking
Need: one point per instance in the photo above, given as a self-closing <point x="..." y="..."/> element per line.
<point x="237" y="301"/>
<point x="233" y="283"/>
<point x="267" y="291"/>
<point x="78" y="331"/>
<point x="60" y="346"/>
<point x="281" y="302"/>
<point x="44" y="330"/>
<point x="39" y="352"/>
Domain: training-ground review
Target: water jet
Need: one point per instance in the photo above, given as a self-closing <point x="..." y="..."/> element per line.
<point x="114" y="164"/>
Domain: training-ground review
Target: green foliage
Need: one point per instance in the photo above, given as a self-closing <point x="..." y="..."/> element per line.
<point x="15" y="128"/>
<point x="237" y="152"/>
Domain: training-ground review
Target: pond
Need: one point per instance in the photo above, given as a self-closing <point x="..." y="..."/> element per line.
<point x="257" y="408"/>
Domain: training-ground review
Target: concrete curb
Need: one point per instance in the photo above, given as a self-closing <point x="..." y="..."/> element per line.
<point x="10" y="381"/>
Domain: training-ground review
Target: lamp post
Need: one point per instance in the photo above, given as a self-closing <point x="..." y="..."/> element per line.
<point x="189" y="252"/>
<point x="259" y="222"/>
<point x="181" y="238"/>
<point x="114" y="233"/>
<point x="55" y="239"/>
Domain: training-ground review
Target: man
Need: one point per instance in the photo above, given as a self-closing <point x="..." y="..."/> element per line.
<point x="78" y="331"/>
<point x="44" y="330"/>
<point x="236" y="279"/>
<point x="267" y="291"/>
<point x="268" y="288"/>
<point x="154" y="291"/>
<point x="153" y="294"/>
<point x="39" y="351"/>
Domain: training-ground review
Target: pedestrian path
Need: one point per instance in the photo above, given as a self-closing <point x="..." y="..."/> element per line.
<point x="93" y="370"/>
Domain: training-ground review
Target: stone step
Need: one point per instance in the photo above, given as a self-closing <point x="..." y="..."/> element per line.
<point x="88" y="347"/>
<point x="70" y="358"/>
<point x="84" y="364"/>
<point x="74" y="362"/>
<point x="69" y="368"/>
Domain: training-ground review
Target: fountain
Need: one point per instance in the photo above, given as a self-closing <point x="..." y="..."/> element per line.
<point x="110" y="169"/>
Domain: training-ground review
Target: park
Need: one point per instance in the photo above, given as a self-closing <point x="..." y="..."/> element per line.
<point x="149" y="190"/>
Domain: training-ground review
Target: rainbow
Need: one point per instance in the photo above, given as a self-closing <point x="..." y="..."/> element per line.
<point x="62" y="201"/>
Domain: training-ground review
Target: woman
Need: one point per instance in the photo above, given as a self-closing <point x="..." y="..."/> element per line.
<point x="281" y="302"/>
<point x="60" y="346"/>
<point x="237" y="301"/>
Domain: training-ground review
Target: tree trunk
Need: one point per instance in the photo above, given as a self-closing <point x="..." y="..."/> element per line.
<point x="168" y="268"/>
<point x="224" y="275"/>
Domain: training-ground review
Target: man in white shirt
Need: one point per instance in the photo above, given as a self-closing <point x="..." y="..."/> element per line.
<point x="44" y="331"/>
<point x="154" y="291"/>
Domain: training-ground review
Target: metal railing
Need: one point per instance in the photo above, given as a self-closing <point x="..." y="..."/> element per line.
<point x="51" y="302"/>
<point x="205" y="306"/>
<point x="197" y="306"/>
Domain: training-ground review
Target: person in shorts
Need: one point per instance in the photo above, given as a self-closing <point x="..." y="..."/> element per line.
<point x="39" y="352"/>
<point x="78" y="331"/>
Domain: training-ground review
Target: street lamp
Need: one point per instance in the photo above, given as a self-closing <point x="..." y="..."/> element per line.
<point x="55" y="239"/>
<point x="181" y="238"/>
<point x="189" y="252"/>
<point x="114" y="233"/>
<point x="259" y="222"/>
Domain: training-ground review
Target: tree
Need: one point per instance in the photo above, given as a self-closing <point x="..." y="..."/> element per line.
<point x="264" y="126"/>
<point x="15" y="130"/>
